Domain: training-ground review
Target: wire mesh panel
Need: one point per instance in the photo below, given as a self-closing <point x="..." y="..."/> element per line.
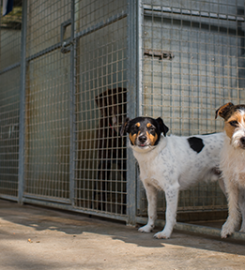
<point x="47" y="129"/>
<point x="100" y="178"/>
<point x="193" y="62"/>
<point x="47" y="102"/>
<point x="10" y="36"/>
<point x="9" y="132"/>
<point x="44" y="22"/>
<point x="93" y="12"/>
<point x="10" y="48"/>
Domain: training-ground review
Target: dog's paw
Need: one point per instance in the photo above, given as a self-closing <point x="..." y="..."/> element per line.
<point x="242" y="229"/>
<point x="227" y="229"/>
<point x="146" y="229"/>
<point x="162" y="235"/>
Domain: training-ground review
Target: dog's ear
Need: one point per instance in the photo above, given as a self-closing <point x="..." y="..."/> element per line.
<point x="163" y="127"/>
<point x="223" y="110"/>
<point x="124" y="127"/>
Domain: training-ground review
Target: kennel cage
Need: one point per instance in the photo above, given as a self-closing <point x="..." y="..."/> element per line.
<point x="71" y="71"/>
<point x="64" y="93"/>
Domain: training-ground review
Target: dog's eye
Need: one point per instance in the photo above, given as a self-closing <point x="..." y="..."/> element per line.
<point x="152" y="129"/>
<point x="233" y="123"/>
<point x="135" y="129"/>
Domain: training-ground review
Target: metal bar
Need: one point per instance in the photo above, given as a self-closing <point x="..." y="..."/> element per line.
<point x="47" y="198"/>
<point x="131" y="105"/>
<point x="9" y="197"/>
<point x="72" y="107"/>
<point x="149" y="10"/>
<point x="191" y="209"/>
<point x="140" y="57"/>
<point x="77" y="210"/>
<point x="15" y="65"/>
<point x="186" y="227"/>
<point x="22" y="105"/>
<point x="45" y="51"/>
<point x="139" y="110"/>
<point x="102" y="24"/>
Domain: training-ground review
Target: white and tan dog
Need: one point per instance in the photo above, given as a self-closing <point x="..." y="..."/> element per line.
<point x="170" y="163"/>
<point x="233" y="165"/>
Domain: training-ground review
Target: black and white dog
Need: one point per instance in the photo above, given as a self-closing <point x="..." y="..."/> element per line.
<point x="170" y="163"/>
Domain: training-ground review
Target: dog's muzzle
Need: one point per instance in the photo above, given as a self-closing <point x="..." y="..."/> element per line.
<point x="142" y="139"/>
<point x="238" y="139"/>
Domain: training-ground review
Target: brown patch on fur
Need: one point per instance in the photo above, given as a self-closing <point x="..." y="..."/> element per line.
<point x="137" y="124"/>
<point x="236" y="116"/>
<point x="151" y="138"/>
<point x="221" y="110"/>
<point x="148" y="125"/>
<point x="132" y="138"/>
<point x="229" y="129"/>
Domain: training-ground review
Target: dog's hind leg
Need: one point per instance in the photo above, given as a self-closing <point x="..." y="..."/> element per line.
<point x="151" y="193"/>
<point x="171" y="195"/>
<point x="242" y="208"/>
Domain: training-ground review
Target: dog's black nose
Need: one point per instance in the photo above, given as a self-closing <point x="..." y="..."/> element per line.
<point x="142" y="138"/>
<point x="242" y="140"/>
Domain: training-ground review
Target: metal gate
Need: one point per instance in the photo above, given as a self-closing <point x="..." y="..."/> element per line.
<point x="60" y="142"/>
<point x="192" y="61"/>
<point x="70" y="71"/>
<point x="10" y="58"/>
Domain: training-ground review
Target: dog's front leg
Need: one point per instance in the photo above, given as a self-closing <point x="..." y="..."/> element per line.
<point x="171" y="194"/>
<point x="233" y="213"/>
<point x="242" y="208"/>
<point x="151" y="194"/>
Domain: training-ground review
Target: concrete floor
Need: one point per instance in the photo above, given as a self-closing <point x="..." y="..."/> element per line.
<point x="37" y="238"/>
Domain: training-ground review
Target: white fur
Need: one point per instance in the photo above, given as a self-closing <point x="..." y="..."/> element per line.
<point x="233" y="170"/>
<point x="171" y="166"/>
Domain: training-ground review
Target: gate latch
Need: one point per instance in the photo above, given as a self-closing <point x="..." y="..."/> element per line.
<point x="65" y="44"/>
<point x="160" y="54"/>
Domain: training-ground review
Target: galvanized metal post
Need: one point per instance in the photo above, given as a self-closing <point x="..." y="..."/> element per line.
<point x="139" y="110"/>
<point x="72" y="108"/>
<point x="140" y="17"/>
<point x="22" y="105"/>
<point x="131" y="104"/>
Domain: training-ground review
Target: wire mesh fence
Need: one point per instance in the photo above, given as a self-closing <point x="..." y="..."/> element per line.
<point x="78" y="85"/>
<point x="10" y="48"/>
<point x="44" y="20"/>
<point x="11" y="37"/>
<point x="47" y="129"/>
<point x="9" y="132"/>
<point x="192" y="62"/>
<point x="101" y="97"/>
